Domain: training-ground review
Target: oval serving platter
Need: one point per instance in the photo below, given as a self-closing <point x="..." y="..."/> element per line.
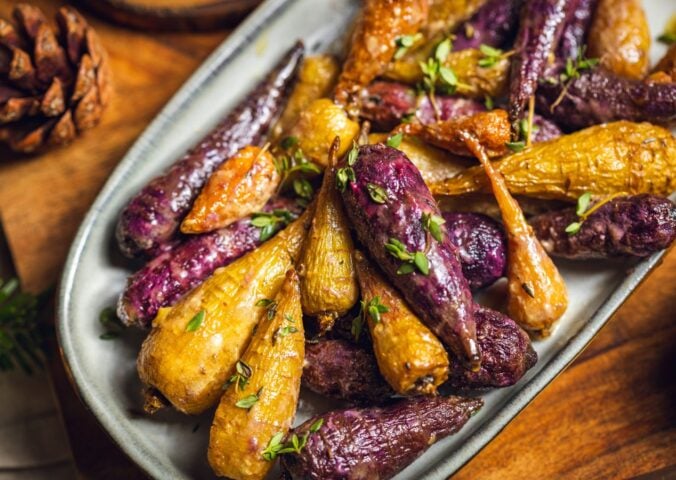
<point x="169" y="445"/>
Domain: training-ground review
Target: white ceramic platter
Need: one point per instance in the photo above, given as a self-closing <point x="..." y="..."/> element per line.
<point x="166" y="445"/>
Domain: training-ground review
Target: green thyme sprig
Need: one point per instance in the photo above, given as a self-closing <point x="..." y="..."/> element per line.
<point x="241" y="376"/>
<point x="432" y="223"/>
<point x="292" y="164"/>
<point x="572" y="72"/>
<point x="271" y="222"/>
<point x="269" y="305"/>
<point x="295" y="444"/>
<point x="373" y="309"/>
<point x="21" y="334"/>
<point x="113" y="326"/>
<point x="582" y="206"/>
<point x="346" y="175"/>
<point x="491" y="56"/>
<point x="404" y="42"/>
<point x="412" y="260"/>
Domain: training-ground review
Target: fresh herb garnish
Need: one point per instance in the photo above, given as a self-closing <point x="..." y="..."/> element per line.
<point x="195" y="321"/>
<point x="417" y="259"/>
<point x="667" y="38"/>
<point x="283" y="332"/>
<point x="580" y="63"/>
<point x="583" y="203"/>
<point x="250" y="400"/>
<point x="303" y="188"/>
<point x="112" y="324"/>
<point x="269" y="305"/>
<point x="377" y="193"/>
<point x="488" y="102"/>
<point x="295" y="444"/>
<point x="432" y="223"/>
<point x="404" y="42"/>
<point x="582" y="206"/>
<point x="395" y="140"/>
<point x="516" y="146"/>
<point x="373" y="309"/>
<point x="270" y="223"/>
<point x="353" y="154"/>
<point x="242" y="375"/>
<point x="572" y="72"/>
<point x="435" y="74"/>
<point x="344" y="176"/>
<point x="491" y="56"/>
<point x="287" y="143"/>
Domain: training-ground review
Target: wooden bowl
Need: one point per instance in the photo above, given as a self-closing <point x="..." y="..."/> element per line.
<point x="172" y="15"/>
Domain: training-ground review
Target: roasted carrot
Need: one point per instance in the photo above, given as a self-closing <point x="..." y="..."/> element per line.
<point x="239" y="187"/>
<point x="537" y="295"/>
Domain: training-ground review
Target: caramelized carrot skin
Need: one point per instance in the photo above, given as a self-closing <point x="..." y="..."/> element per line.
<point x="619" y="157"/>
<point x="541" y="25"/>
<point x="238" y="435"/>
<point x="328" y="278"/>
<point x="410" y="357"/>
<point x="189" y="366"/>
<point x="537" y="295"/>
<point x="373" y="42"/>
<point x="376" y="442"/>
<point x="619" y="37"/>
<point x="491" y="128"/>
<point x="239" y="187"/>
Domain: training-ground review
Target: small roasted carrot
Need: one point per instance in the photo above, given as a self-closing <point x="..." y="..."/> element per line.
<point x="490" y="128"/>
<point x="619" y="37"/>
<point x="239" y="187"/>
<point x="537" y="295"/>
<point x="328" y="278"/>
<point x="262" y="395"/>
<point x="318" y="125"/>
<point x="409" y="356"/>
<point x="373" y="44"/>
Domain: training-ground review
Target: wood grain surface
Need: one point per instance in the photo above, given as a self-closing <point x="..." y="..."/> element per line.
<point x="611" y="414"/>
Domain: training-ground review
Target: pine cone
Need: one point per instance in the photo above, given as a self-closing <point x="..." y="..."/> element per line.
<point x="53" y="84"/>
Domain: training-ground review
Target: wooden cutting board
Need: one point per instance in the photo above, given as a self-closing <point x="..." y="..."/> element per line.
<point x="172" y="15"/>
<point x="610" y="415"/>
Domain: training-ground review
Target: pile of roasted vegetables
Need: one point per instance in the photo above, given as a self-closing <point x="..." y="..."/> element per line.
<point x="332" y="230"/>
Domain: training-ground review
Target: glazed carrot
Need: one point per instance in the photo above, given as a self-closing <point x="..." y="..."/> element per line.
<point x="537" y="293"/>
<point x="328" y="279"/>
<point x="373" y="44"/>
<point x="239" y="187"/>
<point x="490" y="128"/>
<point x="409" y="356"/>
<point x="262" y="395"/>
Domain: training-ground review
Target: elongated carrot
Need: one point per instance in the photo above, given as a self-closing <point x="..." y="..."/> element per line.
<point x="537" y="293"/>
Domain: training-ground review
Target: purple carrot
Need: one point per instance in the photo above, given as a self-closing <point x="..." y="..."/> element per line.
<point x="507" y="354"/>
<point x="600" y="96"/>
<point x="575" y="28"/>
<point x="376" y="442"/>
<point x="174" y="272"/>
<point x="441" y="297"/>
<point x="152" y="217"/>
<point x="539" y="32"/>
<point x="482" y="246"/>
<point x="494" y="24"/>
<point x="626" y="226"/>
<point x="345" y="371"/>
<point x="387" y="103"/>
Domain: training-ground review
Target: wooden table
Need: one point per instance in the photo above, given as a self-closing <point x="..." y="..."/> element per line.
<point x="611" y="414"/>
